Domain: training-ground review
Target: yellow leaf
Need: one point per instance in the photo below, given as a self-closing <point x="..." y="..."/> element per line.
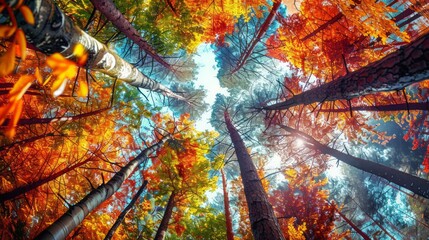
<point x="82" y="91"/>
<point x="22" y="43"/>
<point x="27" y="14"/>
<point x="47" y="80"/>
<point x="20" y="87"/>
<point x="79" y="50"/>
<point x="59" y="86"/>
<point x="7" y="61"/>
<point x="38" y="76"/>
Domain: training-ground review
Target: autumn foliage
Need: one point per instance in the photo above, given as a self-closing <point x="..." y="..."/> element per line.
<point x="68" y="125"/>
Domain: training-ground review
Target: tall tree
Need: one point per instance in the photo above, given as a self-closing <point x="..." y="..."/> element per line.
<point x="393" y="72"/>
<point x="228" y="219"/>
<point x="58" y="34"/>
<point x="108" y="9"/>
<point x="121" y="217"/>
<point x="262" y="219"/>
<point x="415" y="184"/>
<point x="62" y="227"/>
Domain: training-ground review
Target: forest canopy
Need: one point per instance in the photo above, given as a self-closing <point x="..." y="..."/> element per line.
<point x="221" y="119"/>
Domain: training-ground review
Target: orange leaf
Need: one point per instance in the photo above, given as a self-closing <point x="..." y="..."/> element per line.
<point x="7" y="61"/>
<point x="38" y="76"/>
<point x="22" y="43"/>
<point x="20" y="87"/>
<point x="4" y="110"/>
<point x="11" y="127"/>
<point x="27" y="14"/>
<point x="7" y="31"/>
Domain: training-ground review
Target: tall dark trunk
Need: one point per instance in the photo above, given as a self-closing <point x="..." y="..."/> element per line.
<point x="395" y="71"/>
<point x="415" y="184"/>
<point x="228" y="218"/>
<point x="383" y="108"/>
<point x="262" y="219"/>
<point x="77" y="213"/>
<point x="351" y="224"/>
<point x="121" y="216"/>
<point x="109" y="10"/>
<point x="163" y="226"/>
<point x="31" y="121"/>
<point x="28" y="140"/>
<point x="261" y="32"/>
<point x="31" y="186"/>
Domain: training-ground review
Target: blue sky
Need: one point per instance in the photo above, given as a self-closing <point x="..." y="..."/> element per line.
<point x="207" y="77"/>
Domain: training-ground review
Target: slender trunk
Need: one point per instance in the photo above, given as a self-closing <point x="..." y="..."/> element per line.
<point x="333" y="20"/>
<point x="53" y="32"/>
<point x="77" y="213"/>
<point x="28" y="140"/>
<point x="415" y="184"/>
<point x="228" y="218"/>
<point x="261" y="32"/>
<point x="351" y="224"/>
<point x="262" y="219"/>
<point x="380" y="226"/>
<point x="163" y="226"/>
<point x="383" y="108"/>
<point x="395" y="71"/>
<point x="121" y="217"/>
<point x="31" y="186"/>
<point x="109" y="10"/>
<point x="31" y="121"/>
<point x="340" y="15"/>
<point x="171" y="6"/>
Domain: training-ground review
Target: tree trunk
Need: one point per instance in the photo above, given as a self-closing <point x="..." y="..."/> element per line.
<point x="109" y="10"/>
<point x="261" y="32"/>
<point x="31" y="121"/>
<point x="333" y="20"/>
<point x="53" y="32"/>
<point x="228" y="218"/>
<point x="415" y="184"/>
<point x="75" y="215"/>
<point x="28" y="140"/>
<point x="351" y="224"/>
<point x="163" y="226"/>
<point x="395" y="71"/>
<point x="121" y="217"/>
<point x="31" y="186"/>
<point x="383" y="108"/>
<point x="262" y="219"/>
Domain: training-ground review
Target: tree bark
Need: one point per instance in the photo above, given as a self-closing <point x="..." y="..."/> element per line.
<point x="53" y="32"/>
<point x="228" y="218"/>
<point x="262" y="219"/>
<point x="415" y="184"/>
<point x="109" y="10"/>
<point x="31" y="121"/>
<point x="351" y="224"/>
<point x="163" y="226"/>
<point x="121" y="217"/>
<point x="261" y="32"/>
<point x="395" y="71"/>
<point x="77" y="213"/>
<point x="28" y="140"/>
<point x="31" y="186"/>
<point x="383" y="108"/>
